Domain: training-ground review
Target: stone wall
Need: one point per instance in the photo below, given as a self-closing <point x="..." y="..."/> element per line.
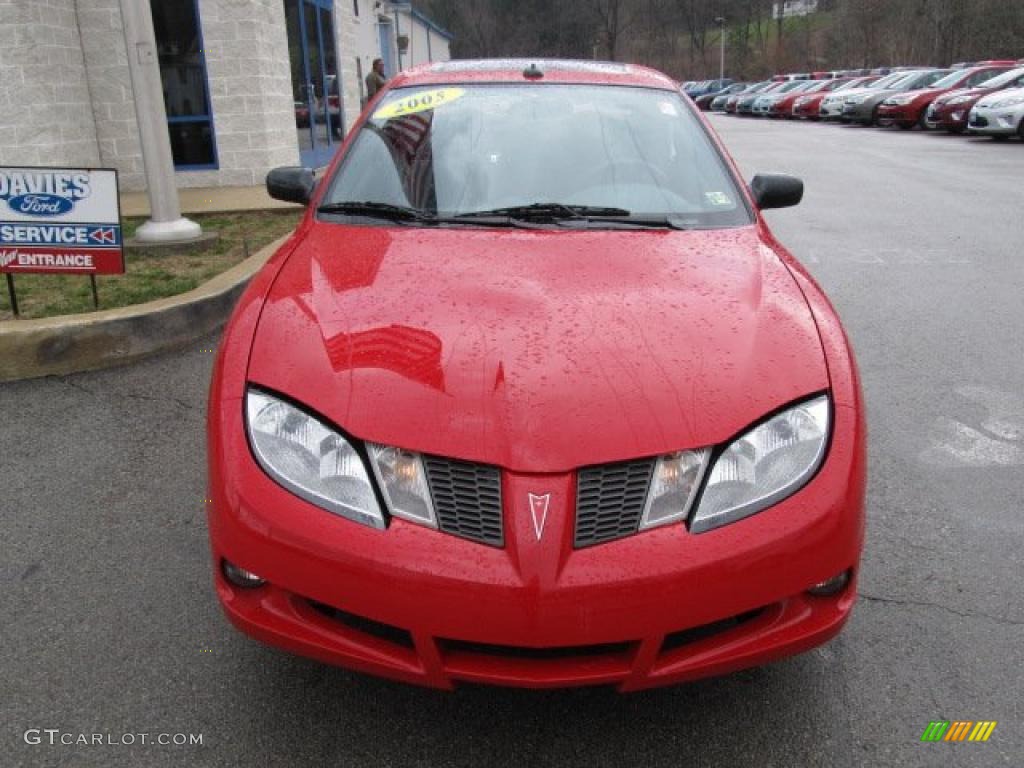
<point x="45" y="114"/>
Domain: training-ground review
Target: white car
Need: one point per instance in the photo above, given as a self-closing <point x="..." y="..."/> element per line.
<point x="999" y="115"/>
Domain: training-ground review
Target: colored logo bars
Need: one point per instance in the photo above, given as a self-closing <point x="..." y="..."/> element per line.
<point x="958" y="730"/>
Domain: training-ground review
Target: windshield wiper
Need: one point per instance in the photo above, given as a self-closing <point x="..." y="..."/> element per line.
<point x="379" y="210"/>
<point x="548" y="211"/>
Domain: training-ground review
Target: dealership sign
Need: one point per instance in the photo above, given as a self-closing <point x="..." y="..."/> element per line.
<point x="60" y="221"/>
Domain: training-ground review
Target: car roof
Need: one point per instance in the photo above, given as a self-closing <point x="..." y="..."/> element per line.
<point x="512" y="71"/>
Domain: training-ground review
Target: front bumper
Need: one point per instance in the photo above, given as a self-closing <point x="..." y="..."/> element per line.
<point x="992" y="121"/>
<point x="892" y="115"/>
<point x="861" y="113"/>
<point x="413" y="604"/>
<point x="831" y="110"/>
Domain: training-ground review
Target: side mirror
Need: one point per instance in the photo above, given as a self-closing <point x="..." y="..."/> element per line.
<point x="776" y="190"/>
<point x="291" y="184"/>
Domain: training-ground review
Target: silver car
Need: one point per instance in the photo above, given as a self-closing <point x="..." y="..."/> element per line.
<point x="999" y="115"/>
<point x="861" y="108"/>
<point x="832" y="105"/>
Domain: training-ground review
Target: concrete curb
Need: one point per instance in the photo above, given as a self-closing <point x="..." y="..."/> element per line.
<point x="94" y="340"/>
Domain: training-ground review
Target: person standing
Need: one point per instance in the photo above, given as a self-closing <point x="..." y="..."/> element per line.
<point x="375" y="79"/>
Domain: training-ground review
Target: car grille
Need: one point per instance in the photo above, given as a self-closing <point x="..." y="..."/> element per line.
<point x="610" y="500"/>
<point x="979" y="122"/>
<point x="467" y="499"/>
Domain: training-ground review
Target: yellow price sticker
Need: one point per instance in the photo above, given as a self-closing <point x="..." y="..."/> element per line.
<point x="418" y="102"/>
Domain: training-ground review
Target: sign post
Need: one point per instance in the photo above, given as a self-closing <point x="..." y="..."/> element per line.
<point x="59" y="221"/>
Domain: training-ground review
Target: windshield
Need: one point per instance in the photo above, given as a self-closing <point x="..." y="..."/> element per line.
<point x="949" y="80"/>
<point x="889" y="80"/>
<point x="451" y="151"/>
<point x="1001" y="79"/>
<point x="928" y="79"/>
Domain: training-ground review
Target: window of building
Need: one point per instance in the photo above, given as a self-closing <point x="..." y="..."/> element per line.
<point x="179" y="42"/>
<point x="355" y="7"/>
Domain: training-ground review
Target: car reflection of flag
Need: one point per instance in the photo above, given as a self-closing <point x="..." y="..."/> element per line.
<point x="410" y="352"/>
<point x="408" y="139"/>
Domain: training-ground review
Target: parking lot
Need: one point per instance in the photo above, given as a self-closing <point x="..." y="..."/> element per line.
<point x="111" y="626"/>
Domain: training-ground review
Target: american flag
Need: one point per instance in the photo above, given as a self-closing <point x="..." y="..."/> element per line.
<point x="408" y="138"/>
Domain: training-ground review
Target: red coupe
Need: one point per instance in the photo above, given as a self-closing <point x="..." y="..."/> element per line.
<point x="533" y="397"/>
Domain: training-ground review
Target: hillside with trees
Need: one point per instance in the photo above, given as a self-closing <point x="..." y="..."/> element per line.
<point x="682" y="37"/>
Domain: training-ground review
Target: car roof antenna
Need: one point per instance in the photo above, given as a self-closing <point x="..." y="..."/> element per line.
<point x="533" y="72"/>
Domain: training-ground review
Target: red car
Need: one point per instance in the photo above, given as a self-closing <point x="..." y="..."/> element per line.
<point x="806" y="105"/>
<point x="911" y="108"/>
<point x="783" y="107"/>
<point x="950" y="111"/>
<point x="533" y="397"/>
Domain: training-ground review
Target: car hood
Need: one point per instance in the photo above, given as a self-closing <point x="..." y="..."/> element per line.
<point x="539" y="351"/>
<point x="929" y="93"/>
<point x="997" y="96"/>
<point x="948" y="96"/>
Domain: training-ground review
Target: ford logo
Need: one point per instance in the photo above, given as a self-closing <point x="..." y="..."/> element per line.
<point x="40" y="204"/>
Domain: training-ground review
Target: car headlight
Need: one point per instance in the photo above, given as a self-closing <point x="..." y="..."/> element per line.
<point x="958" y="100"/>
<point x="310" y="459"/>
<point x="765" y="465"/>
<point x="855" y="99"/>
<point x="1012" y="102"/>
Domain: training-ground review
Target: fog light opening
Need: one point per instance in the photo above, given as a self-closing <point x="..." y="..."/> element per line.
<point x="832" y="586"/>
<point x="241" y="577"/>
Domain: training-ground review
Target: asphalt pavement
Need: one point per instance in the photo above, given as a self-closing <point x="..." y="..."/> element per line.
<point x="110" y="626"/>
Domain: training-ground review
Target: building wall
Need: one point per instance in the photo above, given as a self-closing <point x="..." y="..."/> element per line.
<point x="66" y="94"/>
<point x="45" y="115"/>
<point x="418" y="51"/>
<point x="110" y="89"/>
<point x="351" y="30"/>
<point x="246" y="52"/>
<point x="440" y="48"/>
<point x="248" y="69"/>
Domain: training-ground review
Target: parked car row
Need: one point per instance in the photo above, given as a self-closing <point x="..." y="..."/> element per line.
<point x="985" y="98"/>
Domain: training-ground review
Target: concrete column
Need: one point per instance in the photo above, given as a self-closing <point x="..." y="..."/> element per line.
<point x="165" y="223"/>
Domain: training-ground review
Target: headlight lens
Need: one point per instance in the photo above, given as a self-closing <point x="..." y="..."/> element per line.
<point x="310" y="459"/>
<point x="765" y="465"/>
<point x="404" y="483"/>
<point x="1009" y="102"/>
<point x="959" y="100"/>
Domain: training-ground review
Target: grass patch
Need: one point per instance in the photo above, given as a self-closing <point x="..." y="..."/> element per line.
<point x="151" y="276"/>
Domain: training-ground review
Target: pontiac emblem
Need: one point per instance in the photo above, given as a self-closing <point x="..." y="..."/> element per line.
<point x="539" y="512"/>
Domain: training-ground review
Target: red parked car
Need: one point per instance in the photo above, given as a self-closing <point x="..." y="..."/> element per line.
<point x="783" y="107"/>
<point x="806" y="104"/>
<point x="533" y="397"/>
<point x="911" y="108"/>
<point x="950" y="111"/>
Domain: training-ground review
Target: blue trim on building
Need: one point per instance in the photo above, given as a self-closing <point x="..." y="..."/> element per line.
<point x="434" y="26"/>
